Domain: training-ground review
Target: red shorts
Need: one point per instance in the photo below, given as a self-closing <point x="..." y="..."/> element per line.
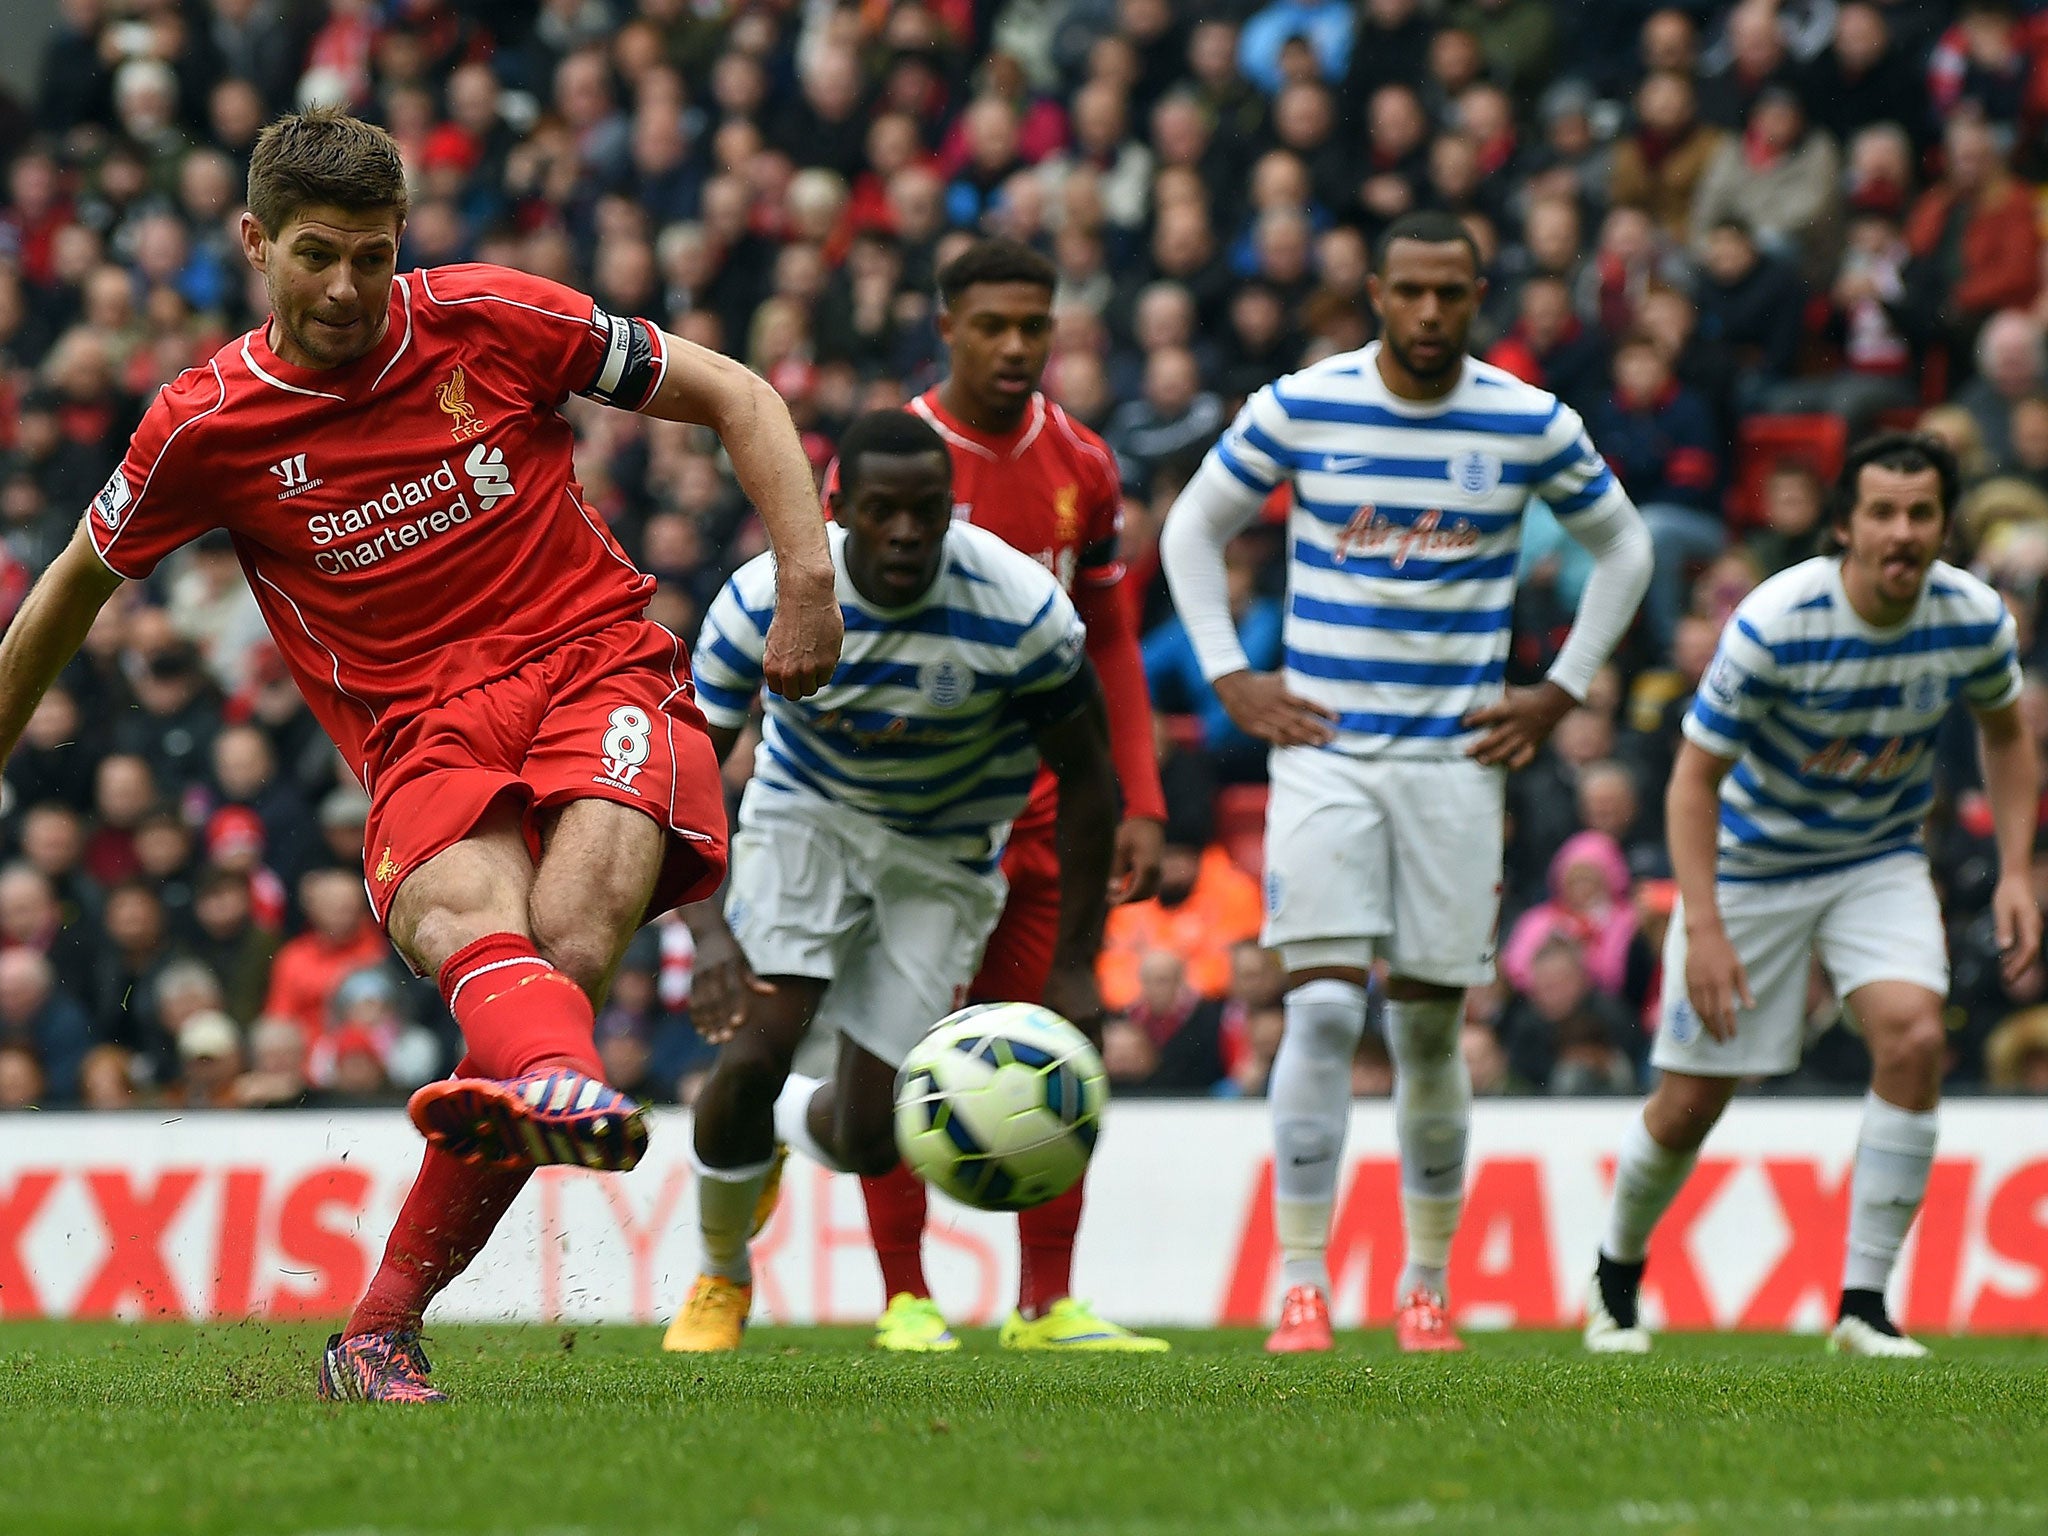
<point x="1018" y="960"/>
<point x="607" y="717"/>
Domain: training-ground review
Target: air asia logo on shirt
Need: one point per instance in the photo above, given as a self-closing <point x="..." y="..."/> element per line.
<point x="1372" y="532"/>
<point x="453" y="397"/>
<point x="291" y="474"/>
<point x="113" y="496"/>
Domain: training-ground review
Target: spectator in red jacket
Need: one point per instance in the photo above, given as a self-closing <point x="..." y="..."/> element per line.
<point x="343" y="937"/>
<point x="1976" y="241"/>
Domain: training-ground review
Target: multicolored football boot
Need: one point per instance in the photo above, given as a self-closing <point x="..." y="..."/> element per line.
<point x="557" y="1116"/>
<point x="376" y="1368"/>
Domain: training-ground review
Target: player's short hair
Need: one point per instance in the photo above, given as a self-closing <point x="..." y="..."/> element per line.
<point x="323" y="157"/>
<point x="1432" y="226"/>
<point x="1907" y="452"/>
<point x="896" y="432"/>
<point x="995" y="260"/>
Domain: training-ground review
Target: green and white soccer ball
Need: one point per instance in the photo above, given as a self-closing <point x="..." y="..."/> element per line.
<point x="999" y="1106"/>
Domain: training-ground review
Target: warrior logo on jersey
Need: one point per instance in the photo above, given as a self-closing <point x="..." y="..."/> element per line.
<point x="113" y="496"/>
<point x="453" y="397"/>
<point x="1474" y="471"/>
<point x="945" y="683"/>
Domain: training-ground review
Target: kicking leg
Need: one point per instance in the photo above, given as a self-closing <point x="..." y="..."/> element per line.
<point x="1656" y="1157"/>
<point x="466" y="915"/>
<point x="1894" y="1154"/>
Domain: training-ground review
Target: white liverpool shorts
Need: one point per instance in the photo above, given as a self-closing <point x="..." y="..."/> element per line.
<point x="1872" y="922"/>
<point x="1371" y="857"/>
<point x="894" y="928"/>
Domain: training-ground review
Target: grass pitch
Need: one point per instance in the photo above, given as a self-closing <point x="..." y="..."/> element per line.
<point x="111" y="1429"/>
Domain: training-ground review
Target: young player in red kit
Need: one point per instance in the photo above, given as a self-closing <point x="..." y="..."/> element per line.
<point x="388" y="454"/>
<point x="1023" y="469"/>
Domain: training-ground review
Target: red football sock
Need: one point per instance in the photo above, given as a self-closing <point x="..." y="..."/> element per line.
<point x="518" y="1014"/>
<point x="447" y="1218"/>
<point x="1045" y="1238"/>
<point x="896" y="1208"/>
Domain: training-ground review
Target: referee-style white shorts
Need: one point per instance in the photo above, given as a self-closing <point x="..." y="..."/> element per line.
<point x="1374" y="857"/>
<point x="894" y="928"/>
<point x="1873" y="922"/>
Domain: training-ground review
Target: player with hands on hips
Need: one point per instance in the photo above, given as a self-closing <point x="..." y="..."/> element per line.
<point x="1410" y="464"/>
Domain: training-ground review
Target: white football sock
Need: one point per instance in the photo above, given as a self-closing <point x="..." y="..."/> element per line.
<point x="1647" y="1178"/>
<point x="1432" y="1110"/>
<point x="725" y="1215"/>
<point x="1894" y="1153"/>
<point x="1310" y="1091"/>
<point x="792" y="1120"/>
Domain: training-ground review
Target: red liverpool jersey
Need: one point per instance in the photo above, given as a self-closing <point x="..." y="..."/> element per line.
<point x="410" y="522"/>
<point x="1050" y="489"/>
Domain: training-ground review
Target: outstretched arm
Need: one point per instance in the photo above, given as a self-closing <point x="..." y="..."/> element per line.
<point x="48" y="631"/>
<point x="704" y="387"/>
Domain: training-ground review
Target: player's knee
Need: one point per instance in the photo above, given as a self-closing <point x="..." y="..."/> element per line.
<point x="1682" y="1110"/>
<point x="580" y="951"/>
<point x="1918" y="1049"/>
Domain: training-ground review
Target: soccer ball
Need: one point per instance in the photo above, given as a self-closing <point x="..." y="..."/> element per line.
<point x="999" y="1105"/>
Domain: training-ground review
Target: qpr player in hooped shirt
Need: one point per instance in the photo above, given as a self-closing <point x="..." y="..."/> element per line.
<point x="1794" y="815"/>
<point x="389" y="456"/>
<point x="1409" y="464"/>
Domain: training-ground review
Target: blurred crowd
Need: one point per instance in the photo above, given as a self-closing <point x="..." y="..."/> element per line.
<point x="1730" y="237"/>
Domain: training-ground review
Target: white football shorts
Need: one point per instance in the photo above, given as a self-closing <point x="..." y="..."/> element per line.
<point x="1872" y="922"/>
<point x="1372" y="857"/>
<point x="896" y="929"/>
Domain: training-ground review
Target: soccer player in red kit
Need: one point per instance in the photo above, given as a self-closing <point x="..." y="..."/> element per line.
<point x="389" y="456"/>
<point x="1024" y="469"/>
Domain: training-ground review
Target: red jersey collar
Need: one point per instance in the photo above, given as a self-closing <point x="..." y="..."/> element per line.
<point x="350" y="380"/>
<point x="1009" y="446"/>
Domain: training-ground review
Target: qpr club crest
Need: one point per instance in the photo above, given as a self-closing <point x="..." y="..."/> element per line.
<point x="1925" y="693"/>
<point x="1474" y="471"/>
<point x="945" y="684"/>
